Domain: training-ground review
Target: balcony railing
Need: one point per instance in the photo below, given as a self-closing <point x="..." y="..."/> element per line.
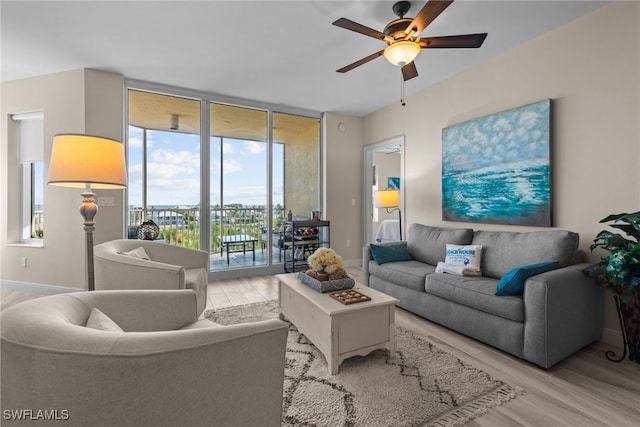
<point x="181" y="226"/>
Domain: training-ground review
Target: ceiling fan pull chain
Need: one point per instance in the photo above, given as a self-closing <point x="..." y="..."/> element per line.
<point x="402" y="90"/>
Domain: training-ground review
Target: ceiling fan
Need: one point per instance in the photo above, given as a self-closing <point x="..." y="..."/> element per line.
<point x="402" y="39"/>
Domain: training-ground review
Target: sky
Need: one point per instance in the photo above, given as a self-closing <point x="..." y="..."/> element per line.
<point x="173" y="170"/>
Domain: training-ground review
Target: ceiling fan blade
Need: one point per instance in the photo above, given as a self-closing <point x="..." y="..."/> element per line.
<point x="426" y="16"/>
<point x="461" y="41"/>
<point x="359" y="28"/>
<point x="409" y="71"/>
<point x="360" y="62"/>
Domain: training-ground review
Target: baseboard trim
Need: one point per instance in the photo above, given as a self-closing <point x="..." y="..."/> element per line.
<point x="352" y="263"/>
<point x="36" y="288"/>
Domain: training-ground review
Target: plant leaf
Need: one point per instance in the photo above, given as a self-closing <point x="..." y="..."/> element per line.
<point x="613" y="217"/>
<point x="630" y="230"/>
<point x="610" y="241"/>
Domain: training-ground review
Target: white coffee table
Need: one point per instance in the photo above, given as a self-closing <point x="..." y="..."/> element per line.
<point x="339" y="331"/>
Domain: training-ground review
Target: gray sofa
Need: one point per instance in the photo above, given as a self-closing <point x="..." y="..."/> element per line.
<point x="560" y="311"/>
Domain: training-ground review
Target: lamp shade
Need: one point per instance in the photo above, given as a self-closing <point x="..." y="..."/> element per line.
<point x="386" y="198"/>
<point x="78" y="160"/>
<point x="401" y="53"/>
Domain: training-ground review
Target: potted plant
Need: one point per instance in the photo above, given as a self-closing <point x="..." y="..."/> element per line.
<point x="619" y="271"/>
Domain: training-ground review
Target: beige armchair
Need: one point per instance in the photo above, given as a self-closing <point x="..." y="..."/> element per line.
<point x="152" y="374"/>
<point x="169" y="267"/>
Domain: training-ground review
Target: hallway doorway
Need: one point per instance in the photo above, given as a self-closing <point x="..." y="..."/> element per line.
<point x="384" y="167"/>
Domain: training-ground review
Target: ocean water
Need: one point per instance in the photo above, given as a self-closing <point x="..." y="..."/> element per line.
<point x="517" y="194"/>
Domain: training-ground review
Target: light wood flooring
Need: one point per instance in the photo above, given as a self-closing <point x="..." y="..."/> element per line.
<point x="583" y="390"/>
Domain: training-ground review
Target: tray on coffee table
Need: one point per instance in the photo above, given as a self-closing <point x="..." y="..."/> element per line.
<point x="349" y="296"/>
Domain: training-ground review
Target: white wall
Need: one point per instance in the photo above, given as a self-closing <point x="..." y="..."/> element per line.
<point x="591" y="70"/>
<point x="80" y="101"/>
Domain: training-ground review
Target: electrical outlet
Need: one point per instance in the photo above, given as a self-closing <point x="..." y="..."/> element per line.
<point x="23" y="261"/>
<point x="348" y="243"/>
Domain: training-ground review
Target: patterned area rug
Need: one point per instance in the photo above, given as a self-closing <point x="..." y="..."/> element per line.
<point x="422" y="386"/>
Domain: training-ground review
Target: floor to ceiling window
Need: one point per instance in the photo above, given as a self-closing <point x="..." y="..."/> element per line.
<point x="247" y="165"/>
<point x="164" y="166"/>
<point x="239" y="178"/>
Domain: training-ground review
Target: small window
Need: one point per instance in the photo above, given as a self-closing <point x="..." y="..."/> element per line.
<point x="30" y="143"/>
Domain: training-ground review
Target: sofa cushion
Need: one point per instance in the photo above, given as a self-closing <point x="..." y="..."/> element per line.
<point x="409" y="274"/>
<point x="390" y="252"/>
<point x="475" y="292"/>
<point x="429" y="244"/>
<point x="512" y="283"/>
<point x="502" y="251"/>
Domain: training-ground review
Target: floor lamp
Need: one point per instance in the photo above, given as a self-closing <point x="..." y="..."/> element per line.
<point x="84" y="161"/>
<point x="389" y="199"/>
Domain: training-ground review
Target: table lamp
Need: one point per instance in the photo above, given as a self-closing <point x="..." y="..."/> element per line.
<point x="85" y="161"/>
<point x="388" y="199"/>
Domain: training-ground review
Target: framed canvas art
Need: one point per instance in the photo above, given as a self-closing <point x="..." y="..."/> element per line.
<point x="497" y="169"/>
<point x="393" y="183"/>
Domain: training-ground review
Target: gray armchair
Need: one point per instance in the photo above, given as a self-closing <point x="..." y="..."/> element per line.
<point x="169" y="267"/>
<point x="166" y="369"/>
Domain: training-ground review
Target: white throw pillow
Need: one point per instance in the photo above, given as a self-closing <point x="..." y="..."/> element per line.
<point x="469" y="256"/>
<point x="137" y="253"/>
<point x="100" y="321"/>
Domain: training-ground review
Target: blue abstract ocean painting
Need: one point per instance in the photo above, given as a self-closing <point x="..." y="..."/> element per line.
<point x="496" y="169"/>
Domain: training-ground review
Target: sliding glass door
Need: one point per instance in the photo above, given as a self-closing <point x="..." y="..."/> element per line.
<point x="220" y="176"/>
<point x="239" y="190"/>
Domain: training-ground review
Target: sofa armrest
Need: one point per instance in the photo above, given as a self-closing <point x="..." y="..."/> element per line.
<point x="564" y="311"/>
<point x="111" y="270"/>
<point x="366" y="257"/>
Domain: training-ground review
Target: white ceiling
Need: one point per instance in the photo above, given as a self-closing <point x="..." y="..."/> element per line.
<point x="278" y="52"/>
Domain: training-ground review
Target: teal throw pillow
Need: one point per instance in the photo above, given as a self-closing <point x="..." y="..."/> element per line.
<point x="391" y="252"/>
<point x="512" y="283"/>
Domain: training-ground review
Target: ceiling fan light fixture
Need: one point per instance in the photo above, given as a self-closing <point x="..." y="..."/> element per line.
<point x="402" y="52"/>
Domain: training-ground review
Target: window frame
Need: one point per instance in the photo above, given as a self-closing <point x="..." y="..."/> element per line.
<point x="29" y="158"/>
<point x="206" y="99"/>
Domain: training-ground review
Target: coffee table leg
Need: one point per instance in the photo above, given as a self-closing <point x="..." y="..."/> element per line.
<point x="333" y="365"/>
<point x="392" y="333"/>
<point x="332" y="358"/>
